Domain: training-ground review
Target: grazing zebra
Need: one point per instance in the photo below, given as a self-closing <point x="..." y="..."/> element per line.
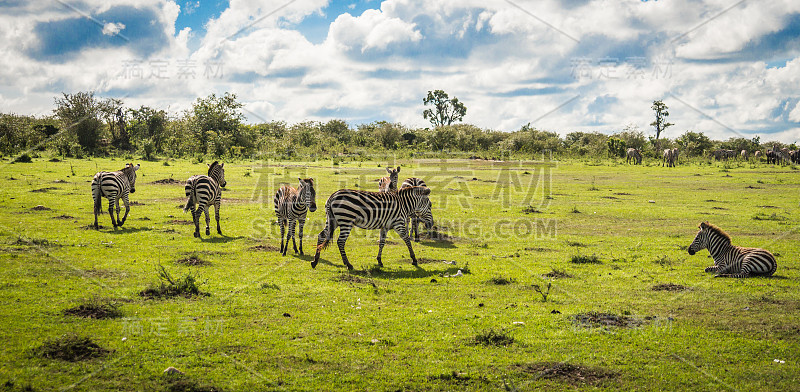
<point x="292" y="205"/>
<point x="113" y="186"/>
<point x="668" y="161"/>
<point x="203" y="191"/>
<point x="675" y="153"/>
<point x="415" y="217"/>
<point x="635" y="155"/>
<point x="757" y="155"/>
<point x="371" y="210"/>
<point x="389" y="183"/>
<point x="743" y="154"/>
<point x="730" y="260"/>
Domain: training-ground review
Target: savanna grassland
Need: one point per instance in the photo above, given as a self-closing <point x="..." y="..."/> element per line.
<point x="574" y="275"/>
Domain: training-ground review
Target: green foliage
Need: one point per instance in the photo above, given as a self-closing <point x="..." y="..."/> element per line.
<point x="660" y="123"/>
<point x="494" y="338"/>
<point x="617" y="147"/>
<point x="445" y="111"/>
<point x="169" y="287"/>
<point x="694" y="143"/>
<point x="70" y="347"/>
<point x="584" y="259"/>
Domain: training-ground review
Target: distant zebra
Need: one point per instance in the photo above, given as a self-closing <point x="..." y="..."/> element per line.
<point x="371" y="210"/>
<point x="635" y="155"/>
<point x="668" y="161"/>
<point x="113" y="186"/>
<point x="743" y="154"/>
<point x="675" y="153"/>
<point x="203" y="191"/>
<point x="292" y="205"/>
<point x="730" y="260"/>
<point x="757" y="155"/>
<point x="416" y="218"/>
<point x="389" y="183"/>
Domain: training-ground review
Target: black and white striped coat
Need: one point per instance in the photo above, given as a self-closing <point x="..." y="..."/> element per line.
<point x="389" y="183"/>
<point x="426" y="215"/>
<point x="292" y="205"/>
<point x="370" y="210"/>
<point x="114" y="186"/>
<point x="202" y="191"/>
<point x="730" y="260"/>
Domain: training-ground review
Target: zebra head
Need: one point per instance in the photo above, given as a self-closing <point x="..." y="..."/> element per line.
<point x="393" y="177"/>
<point x="130" y="172"/>
<point x="704" y="237"/>
<point x="422" y="205"/>
<point x="216" y="171"/>
<point x="308" y="193"/>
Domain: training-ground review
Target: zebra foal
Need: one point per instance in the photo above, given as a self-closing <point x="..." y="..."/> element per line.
<point x="389" y="183"/>
<point x="417" y="217"/>
<point x="113" y="186"/>
<point x="203" y="191"/>
<point x="371" y="210"/>
<point x="292" y="205"/>
<point x="730" y="260"/>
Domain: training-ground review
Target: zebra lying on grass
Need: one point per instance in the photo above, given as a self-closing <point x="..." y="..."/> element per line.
<point x="389" y="183"/>
<point x="415" y="217"/>
<point x="730" y="260"/>
<point x="113" y="186"/>
<point x="203" y="191"/>
<point x="292" y="205"/>
<point x="371" y="210"/>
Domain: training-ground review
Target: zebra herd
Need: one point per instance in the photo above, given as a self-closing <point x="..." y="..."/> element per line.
<point x="774" y="156"/>
<point x="388" y="209"/>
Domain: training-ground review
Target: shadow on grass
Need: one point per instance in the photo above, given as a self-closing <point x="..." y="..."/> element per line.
<point x="440" y="244"/>
<point x="220" y="240"/>
<point x="379" y="273"/>
<point x="128" y="230"/>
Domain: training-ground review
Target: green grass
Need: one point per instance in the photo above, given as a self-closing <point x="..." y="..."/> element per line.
<point x="272" y="323"/>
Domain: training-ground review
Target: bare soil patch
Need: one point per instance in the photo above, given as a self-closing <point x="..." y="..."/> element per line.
<point x="43" y="190"/>
<point x="167" y="181"/>
<point x="569" y="373"/>
<point x="598" y="319"/>
<point x="669" y="287"/>
<point x="264" y="247"/>
<point x="40" y="208"/>
<point x="70" y="347"/>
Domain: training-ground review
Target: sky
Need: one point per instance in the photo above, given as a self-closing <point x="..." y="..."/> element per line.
<point x="728" y="68"/>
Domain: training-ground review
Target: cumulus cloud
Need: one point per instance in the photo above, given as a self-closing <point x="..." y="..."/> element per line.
<point x="112" y="28"/>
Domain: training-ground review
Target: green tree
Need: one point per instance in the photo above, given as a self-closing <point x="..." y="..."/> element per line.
<point x="445" y="111"/>
<point x="216" y="123"/>
<point x="694" y="143"/>
<point x="79" y="114"/>
<point x="660" y="124"/>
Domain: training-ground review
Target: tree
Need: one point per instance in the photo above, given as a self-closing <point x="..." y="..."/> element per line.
<point x="216" y="123"/>
<point x="661" y="123"/>
<point x="445" y="111"/>
<point x="79" y="114"/>
<point x="694" y="143"/>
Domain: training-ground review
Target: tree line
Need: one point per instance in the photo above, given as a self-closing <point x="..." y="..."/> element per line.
<point x="83" y="124"/>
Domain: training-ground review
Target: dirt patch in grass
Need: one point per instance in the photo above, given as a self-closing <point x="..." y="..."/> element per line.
<point x="43" y="190"/>
<point x="192" y="260"/>
<point x="180" y="222"/>
<point x="34" y="242"/>
<point x="264" y="247"/>
<point x="167" y="181"/>
<point x="136" y="203"/>
<point x="573" y="374"/>
<point x="576" y="244"/>
<point x="349" y="278"/>
<point x="598" y="319"/>
<point x="493" y="338"/>
<point x="531" y="210"/>
<point x="539" y="249"/>
<point x="767" y="207"/>
<point x="500" y="281"/>
<point x="669" y="287"/>
<point x="557" y="274"/>
<point x="718" y="208"/>
<point x="70" y="347"/>
<point x="458" y="378"/>
<point x="95" y="309"/>
<point x="623" y="194"/>
<point x="438" y="236"/>
<point x="64" y="217"/>
<point x="425" y="260"/>
<point x="40" y="208"/>
<point x="609" y="197"/>
<point x="181" y="383"/>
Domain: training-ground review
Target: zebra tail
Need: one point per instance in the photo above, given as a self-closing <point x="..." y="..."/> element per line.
<point x="328" y="230"/>
<point x="191" y="195"/>
<point x="98" y="201"/>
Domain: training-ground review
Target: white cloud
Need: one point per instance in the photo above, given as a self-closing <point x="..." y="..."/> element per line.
<point x="112" y="28"/>
<point x="372" y="30"/>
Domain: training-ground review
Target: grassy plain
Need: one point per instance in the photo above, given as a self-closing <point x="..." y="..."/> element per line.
<point x="272" y="323"/>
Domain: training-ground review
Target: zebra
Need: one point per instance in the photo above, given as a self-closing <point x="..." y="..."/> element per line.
<point x="415" y="218"/>
<point x="205" y="190"/>
<point x="757" y="155"/>
<point x="730" y="260"/>
<point x="113" y="186"/>
<point x="668" y="161"/>
<point x="389" y="183"/>
<point x="743" y="154"/>
<point x="675" y="153"/>
<point x="292" y="205"/>
<point x="371" y="210"/>
<point x="635" y="155"/>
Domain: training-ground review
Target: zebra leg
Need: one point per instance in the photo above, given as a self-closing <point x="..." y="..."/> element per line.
<point x="344" y="232"/>
<point x="302" y="223"/>
<point x="381" y="242"/>
<point x="111" y="212"/>
<point x="723" y="271"/>
<point x="119" y="223"/>
<point x="196" y="218"/>
<point x="403" y="232"/>
<point x="289" y="235"/>
<point x="415" y="227"/>
<point x="216" y="216"/>
<point x="292" y="225"/>
<point x="713" y="268"/>
<point x="283" y="232"/>
<point x="208" y="221"/>
<point x="127" y="209"/>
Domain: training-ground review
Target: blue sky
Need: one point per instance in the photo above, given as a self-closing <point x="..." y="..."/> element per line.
<point x="724" y="68"/>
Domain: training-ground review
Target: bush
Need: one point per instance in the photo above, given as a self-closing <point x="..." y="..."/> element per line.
<point x="169" y="287"/>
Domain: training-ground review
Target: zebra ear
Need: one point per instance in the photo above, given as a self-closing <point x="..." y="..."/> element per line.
<point x="703" y="225"/>
<point x="209" y="165"/>
<point x="398" y="169"/>
<point x="221" y="165"/>
<point x="426" y="191"/>
<point x="135" y="168"/>
<point x="389" y="170"/>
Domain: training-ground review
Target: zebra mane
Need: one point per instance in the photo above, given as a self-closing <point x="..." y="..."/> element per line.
<point x="211" y="166"/>
<point x="716" y="230"/>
